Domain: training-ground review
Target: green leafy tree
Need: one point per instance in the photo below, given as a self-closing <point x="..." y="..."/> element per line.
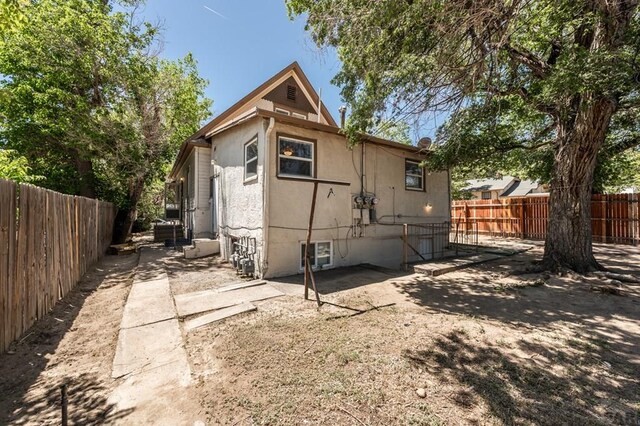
<point x="397" y="131"/>
<point x="12" y="13"/>
<point x="84" y="97"/>
<point x="552" y="80"/>
<point x="60" y="74"/>
<point x="15" y="167"/>
<point x="164" y="105"/>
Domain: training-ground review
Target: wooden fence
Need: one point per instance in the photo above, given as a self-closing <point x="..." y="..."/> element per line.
<point x="614" y="218"/>
<point x="48" y="241"/>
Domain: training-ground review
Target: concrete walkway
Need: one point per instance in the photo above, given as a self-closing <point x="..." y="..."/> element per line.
<point x="150" y="354"/>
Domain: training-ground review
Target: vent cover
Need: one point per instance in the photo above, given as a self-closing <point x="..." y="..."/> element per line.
<point x="291" y="92"/>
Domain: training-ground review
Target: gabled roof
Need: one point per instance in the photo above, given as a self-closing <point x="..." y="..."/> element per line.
<point x="474" y="185"/>
<point x="521" y="188"/>
<point x="292" y="70"/>
<point x="248" y="107"/>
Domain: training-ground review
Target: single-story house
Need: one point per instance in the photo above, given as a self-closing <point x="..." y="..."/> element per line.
<point x="502" y="187"/>
<point x="246" y="179"/>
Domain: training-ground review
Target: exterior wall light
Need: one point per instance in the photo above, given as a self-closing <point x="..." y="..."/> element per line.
<point x="288" y="151"/>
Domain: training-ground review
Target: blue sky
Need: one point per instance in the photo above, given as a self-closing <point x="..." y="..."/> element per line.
<point x="241" y="43"/>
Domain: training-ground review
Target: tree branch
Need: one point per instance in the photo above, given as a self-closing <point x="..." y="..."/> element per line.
<point x="625" y="144"/>
<point x="538" y="67"/>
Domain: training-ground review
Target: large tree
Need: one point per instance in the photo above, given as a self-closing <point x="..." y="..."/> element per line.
<point x="561" y="74"/>
<point x="84" y="97"/>
<point x="161" y="105"/>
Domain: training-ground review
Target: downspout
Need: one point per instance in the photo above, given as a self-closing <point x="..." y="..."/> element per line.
<point x="362" y="154"/>
<point x="362" y="181"/>
<point x="265" y="200"/>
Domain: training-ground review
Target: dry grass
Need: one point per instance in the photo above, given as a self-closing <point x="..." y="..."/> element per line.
<point x="365" y="369"/>
<point x="487" y="348"/>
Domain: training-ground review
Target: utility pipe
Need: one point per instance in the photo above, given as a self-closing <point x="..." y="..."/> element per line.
<point x="265" y="200"/>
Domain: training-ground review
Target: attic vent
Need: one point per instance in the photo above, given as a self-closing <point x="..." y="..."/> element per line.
<point x="291" y="93"/>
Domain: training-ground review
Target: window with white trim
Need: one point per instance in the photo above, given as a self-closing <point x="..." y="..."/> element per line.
<point x="298" y="115"/>
<point x="295" y="157"/>
<point x="251" y="159"/>
<point x="320" y="253"/>
<point x="413" y="175"/>
<point x="282" y="111"/>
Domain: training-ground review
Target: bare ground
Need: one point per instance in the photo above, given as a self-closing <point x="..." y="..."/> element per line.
<point x="74" y="344"/>
<point x="488" y="348"/>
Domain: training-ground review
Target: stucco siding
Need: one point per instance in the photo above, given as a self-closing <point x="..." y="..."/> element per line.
<point x="239" y="202"/>
<point x="384" y="170"/>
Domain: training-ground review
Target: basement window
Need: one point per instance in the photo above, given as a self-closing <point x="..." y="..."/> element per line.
<point x="291" y="93"/>
<point x="295" y="157"/>
<point x="320" y="252"/>
<point x="413" y="175"/>
<point x="251" y="159"/>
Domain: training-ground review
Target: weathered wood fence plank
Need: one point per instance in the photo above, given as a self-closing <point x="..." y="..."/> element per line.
<point x="48" y="241"/>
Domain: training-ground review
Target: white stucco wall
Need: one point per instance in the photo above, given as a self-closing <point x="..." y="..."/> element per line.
<point x="239" y="203"/>
<point x="290" y="201"/>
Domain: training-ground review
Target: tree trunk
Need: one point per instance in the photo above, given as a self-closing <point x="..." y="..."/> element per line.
<point x="128" y="215"/>
<point x="86" y="177"/>
<point x="569" y="235"/>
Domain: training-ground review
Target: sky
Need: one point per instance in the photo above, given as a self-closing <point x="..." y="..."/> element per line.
<point x="239" y="44"/>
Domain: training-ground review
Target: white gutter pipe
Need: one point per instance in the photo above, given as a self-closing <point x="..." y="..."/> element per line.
<point x="265" y="200"/>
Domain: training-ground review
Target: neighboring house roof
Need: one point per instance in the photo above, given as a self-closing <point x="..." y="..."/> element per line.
<point x="507" y="186"/>
<point x="521" y="188"/>
<point x="250" y="106"/>
<point x="476" y="185"/>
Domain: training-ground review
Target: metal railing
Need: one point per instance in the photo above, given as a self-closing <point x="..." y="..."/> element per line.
<point x="427" y="241"/>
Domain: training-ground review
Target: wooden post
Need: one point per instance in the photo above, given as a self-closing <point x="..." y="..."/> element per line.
<point x="523" y="218"/>
<point x="603" y="228"/>
<point x="308" y="274"/>
<point x="405" y="237"/>
<point x="63" y="404"/>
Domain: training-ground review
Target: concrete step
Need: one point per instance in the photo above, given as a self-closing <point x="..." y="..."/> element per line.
<point x="201" y="247"/>
<point x="439" y="267"/>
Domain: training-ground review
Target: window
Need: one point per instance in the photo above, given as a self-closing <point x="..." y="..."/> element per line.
<point x="321" y="254"/>
<point x="291" y="92"/>
<point x="413" y="175"/>
<point x="486" y="195"/>
<point x="282" y="111"/>
<point x="295" y="157"/>
<point x="298" y="115"/>
<point x="251" y="159"/>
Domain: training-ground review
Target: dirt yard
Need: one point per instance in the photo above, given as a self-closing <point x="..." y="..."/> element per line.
<point x="486" y="348"/>
<point x="74" y="344"/>
<point x="481" y="346"/>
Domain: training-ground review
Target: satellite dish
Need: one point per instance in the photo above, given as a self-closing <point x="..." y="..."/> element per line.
<point x="424" y="143"/>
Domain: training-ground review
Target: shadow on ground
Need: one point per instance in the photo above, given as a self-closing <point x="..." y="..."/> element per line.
<point x="37" y="365"/>
<point x="520" y="391"/>
<point x="335" y="280"/>
<point x="596" y="362"/>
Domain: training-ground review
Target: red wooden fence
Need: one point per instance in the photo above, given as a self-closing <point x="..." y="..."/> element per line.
<point x="614" y="218"/>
